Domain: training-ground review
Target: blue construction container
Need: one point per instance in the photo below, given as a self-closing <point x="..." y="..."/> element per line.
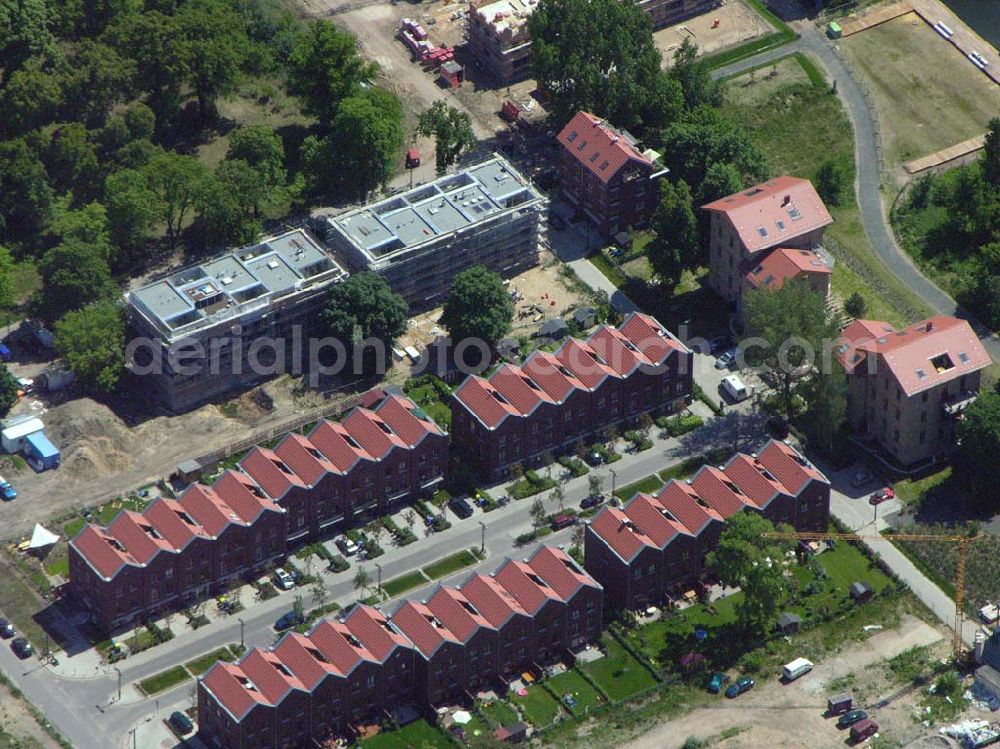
<point x="40" y="453"/>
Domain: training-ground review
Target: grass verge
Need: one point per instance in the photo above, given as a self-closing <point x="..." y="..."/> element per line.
<point x="399" y="585"/>
<point x="164" y="680"/>
<point x="450" y="564"/>
<point x="198" y="666"/>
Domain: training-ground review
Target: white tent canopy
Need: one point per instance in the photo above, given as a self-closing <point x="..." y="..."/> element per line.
<point x="462" y="717"/>
<point x="42" y="537"/>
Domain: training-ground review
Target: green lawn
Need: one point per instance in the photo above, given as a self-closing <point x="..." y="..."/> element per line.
<point x="934" y="487"/>
<point x="847" y="564"/>
<point x="200" y="665"/>
<point x="417" y="735"/>
<point x="450" y="564"/>
<point x="164" y="680"/>
<point x="59" y="566"/>
<point x="399" y="585"/>
<point x="662" y="641"/>
<point x="648" y="485"/>
<point x="619" y="674"/>
<point x="537" y="706"/>
<point x="570" y="682"/>
<point x="499" y="712"/>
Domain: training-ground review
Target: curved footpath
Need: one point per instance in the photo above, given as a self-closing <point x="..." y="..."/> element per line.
<point x="867" y="183"/>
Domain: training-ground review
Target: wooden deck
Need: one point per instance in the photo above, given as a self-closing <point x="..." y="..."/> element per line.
<point x="855" y="24"/>
<point x="945" y="155"/>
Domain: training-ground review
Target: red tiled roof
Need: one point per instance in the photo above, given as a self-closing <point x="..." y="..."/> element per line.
<point x="784" y="264"/>
<point x="97" y="547"/>
<point x="521" y="391"/>
<point x="205" y="506"/>
<point x="243" y="495"/>
<point x="773" y="212"/>
<point x="682" y="501"/>
<point x="491" y="599"/>
<point x="581" y="359"/>
<point x="298" y="654"/>
<point x="330" y="638"/>
<point x="137" y="536"/>
<point x="522" y="582"/>
<point x="619" y="533"/>
<point x="561" y="573"/>
<point x="649" y="517"/>
<point x="371" y="628"/>
<point x="480" y="398"/>
<point x="371" y="432"/>
<point x="456" y="612"/>
<point x="551" y="375"/>
<point x="652" y="338"/>
<point x="598" y="146"/>
<point x="424" y="629"/>
<point x="301" y="456"/>
<point x="719" y="491"/>
<point x="270" y="472"/>
<point x="173" y="522"/>
<point x="224" y="681"/>
<point x="921" y="356"/>
<point x="788" y="466"/>
<point x="614" y="348"/>
<point x="269" y="675"/>
<point x="333" y="441"/>
<point x="754" y="479"/>
<point x="409" y="423"/>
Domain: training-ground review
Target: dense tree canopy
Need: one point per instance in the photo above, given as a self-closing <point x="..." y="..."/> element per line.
<point x="366" y="140"/>
<point x="478" y="307"/>
<point x="7" y="270"/>
<point x="8" y="390"/>
<point x="132" y="209"/>
<point x="92" y="343"/>
<point x="177" y="181"/>
<point x="364" y="307"/>
<point x="976" y="465"/>
<point x="675" y="246"/>
<point x="73" y="275"/>
<point x="25" y="195"/>
<point x="451" y="130"/>
<point x="705" y="137"/>
<point x="695" y="77"/>
<point x="599" y="56"/>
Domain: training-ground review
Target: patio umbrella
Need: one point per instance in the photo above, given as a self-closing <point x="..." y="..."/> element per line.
<point x="462" y="717"/>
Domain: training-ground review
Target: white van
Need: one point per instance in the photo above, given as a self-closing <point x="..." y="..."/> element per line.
<point x="795" y="669"/>
<point x="735" y="388"/>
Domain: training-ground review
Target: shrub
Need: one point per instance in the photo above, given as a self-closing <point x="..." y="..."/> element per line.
<point x="525" y="538"/>
<point x="532" y="476"/>
<point x="677" y="425"/>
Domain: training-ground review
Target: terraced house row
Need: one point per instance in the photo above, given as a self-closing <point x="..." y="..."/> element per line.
<point x="658" y="543"/>
<point x="441" y="650"/>
<point x="179" y="552"/>
<point x="555" y="400"/>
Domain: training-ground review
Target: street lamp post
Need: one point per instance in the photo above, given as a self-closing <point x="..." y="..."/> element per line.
<point x="482" y="544"/>
<point x="119" y="672"/>
<point x="242" y="625"/>
<point x="614" y="480"/>
<point x="379" y="568"/>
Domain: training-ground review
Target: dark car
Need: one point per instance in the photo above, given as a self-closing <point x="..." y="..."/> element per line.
<point x="21" y="647"/>
<point x="777" y="427"/>
<point x="716" y="683"/>
<point x="882" y="495"/>
<point x="741" y="685"/>
<point x="288" y="620"/>
<point x="849" y="719"/>
<point x="6" y="629"/>
<point x="180" y="723"/>
<point x="594" y="458"/>
<point x="461" y="508"/>
<point x="589" y="502"/>
<point x="562" y="521"/>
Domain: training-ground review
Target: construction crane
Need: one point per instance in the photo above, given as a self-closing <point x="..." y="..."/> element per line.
<point x="963" y="545"/>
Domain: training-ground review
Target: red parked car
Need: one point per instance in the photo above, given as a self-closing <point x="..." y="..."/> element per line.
<point x="882" y="495"/>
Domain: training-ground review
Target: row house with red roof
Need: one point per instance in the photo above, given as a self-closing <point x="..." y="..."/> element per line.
<point x="178" y="552"/>
<point x="428" y="653"/>
<point x="604" y="173"/>
<point x="658" y="543"/>
<point x="767" y="235"/>
<point x="908" y="388"/>
<point x="555" y="400"/>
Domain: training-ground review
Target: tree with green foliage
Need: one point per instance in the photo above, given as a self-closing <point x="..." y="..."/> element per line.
<point x="9" y="388"/>
<point x="745" y="558"/>
<point x="599" y="56"/>
<point x="30" y="100"/>
<point x="362" y="581"/>
<point x="25" y="195"/>
<point x="595" y="484"/>
<point x="788" y="326"/>
<point x="92" y="343"/>
<point x="227" y="204"/>
<point x="976" y="466"/>
<point x="721" y="179"/>
<point x="478" y="307"/>
<point x="451" y="130"/>
<point x="366" y="140"/>
<point x="537" y="512"/>
<point x="324" y="68"/>
<point x="25" y="35"/>
<point x="98" y="78"/>
<point x="695" y="77"/>
<point x="675" y="246"/>
<point x="178" y="181"/>
<point x="705" y="137"/>
<point x="831" y="181"/>
<point x="825" y="394"/>
<point x="217" y="48"/>
<point x="86" y="225"/>
<point x="261" y="148"/>
<point x="361" y="308"/>
<point x="855" y="306"/>
<point x="132" y="209"/>
<point x="8" y="268"/>
<point x="74" y="274"/>
<point x="990" y="160"/>
<point x="72" y="160"/>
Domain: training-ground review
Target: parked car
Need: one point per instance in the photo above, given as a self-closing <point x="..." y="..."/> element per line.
<point x="5" y="354"/>
<point x="25" y="385"/>
<point x="6" y="629"/>
<point x="117" y="652"/>
<point x="726" y="359"/>
<point x="863" y="729"/>
<point x="882" y="495"/>
<point x="283" y="580"/>
<point x="794" y="669"/>
<point x="180" y="723"/>
<point x="850" y="718"/>
<point x="460" y="507"/>
<point x="347" y="546"/>
<point x="288" y="620"/>
<point x="716" y="682"/>
<point x="7" y="491"/>
<point x="743" y="684"/>
<point x="733" y="387"/>
<point x="719" y="342"/>
<point x="21" y="647"/>
<point x="594" y="501"/>
<point x="569" y="700"/>
<point x="594" y="458"/>
<point x="563" y="521"/>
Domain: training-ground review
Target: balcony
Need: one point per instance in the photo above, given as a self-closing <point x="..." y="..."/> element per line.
<point x="956" y="405"/>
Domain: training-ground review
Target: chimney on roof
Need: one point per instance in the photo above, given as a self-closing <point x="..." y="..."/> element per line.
<point x="786" y="201"/>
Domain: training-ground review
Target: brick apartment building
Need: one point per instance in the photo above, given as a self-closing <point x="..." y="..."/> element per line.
<point x="909" y="387"/>
<point x="178" y="552"/>
<point x="658" y="544"/>
<point x="497" y="31"/>
<point x="603" y="172"/>
<point x="363" y="665"/>
<point x="754" y="235"/>
<point x="555" y="400"/>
